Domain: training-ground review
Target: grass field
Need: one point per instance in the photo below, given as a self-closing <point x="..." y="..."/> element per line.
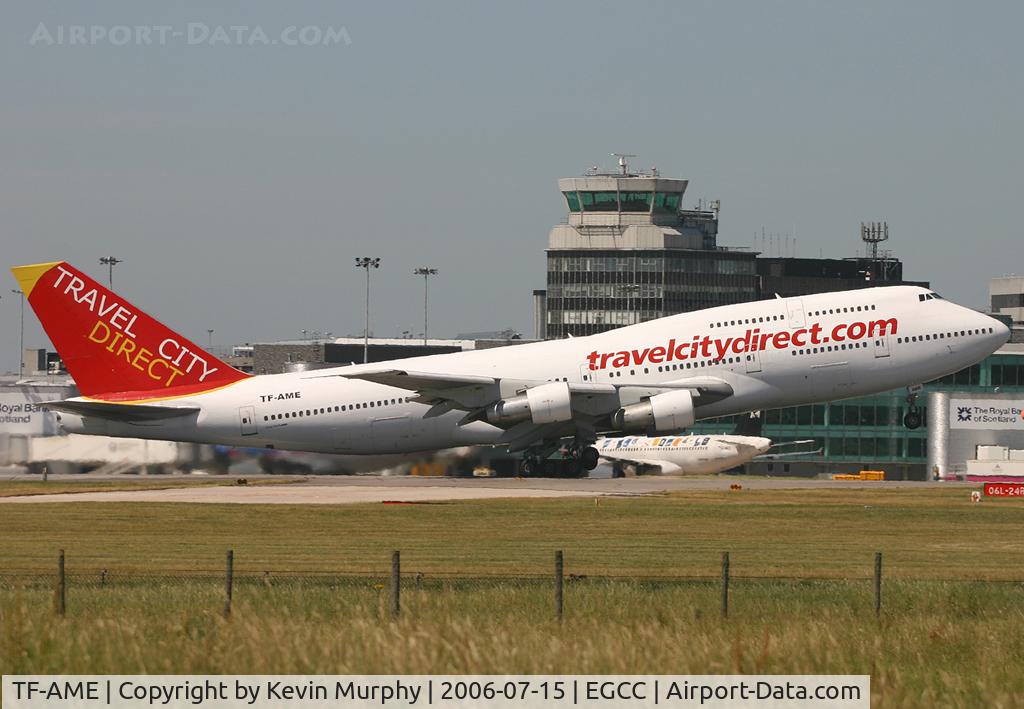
<point x="950" y="633"/>
<point x="925" y="533"/>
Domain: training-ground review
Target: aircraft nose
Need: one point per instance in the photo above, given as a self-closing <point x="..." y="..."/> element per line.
<point x="996" y="332"/>
<point x="1000" y="332"/>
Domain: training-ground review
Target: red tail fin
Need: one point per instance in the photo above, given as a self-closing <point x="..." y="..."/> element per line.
<point x="111" y="348"/>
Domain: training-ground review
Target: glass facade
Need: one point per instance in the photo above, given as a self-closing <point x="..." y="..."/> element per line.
<point x="1014" y="300"/>
<point x="599" y="201"/>
<point x="595" y="291"/>
<point x="572" y="200"/>
<point x="870" y="430"/>
<point x="667" y="202"/>
<point x="635" y="201"/>
<point x="610" y="201"/>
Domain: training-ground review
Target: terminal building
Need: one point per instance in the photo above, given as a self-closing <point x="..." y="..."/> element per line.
<point x="1007" y="297"/>
<point x="299" y="355"/>
<point x="788" y="276"/>
<point x="1007" y="302"/>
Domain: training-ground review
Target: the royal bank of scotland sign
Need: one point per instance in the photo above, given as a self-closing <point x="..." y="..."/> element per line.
<point x="986" y="414"/>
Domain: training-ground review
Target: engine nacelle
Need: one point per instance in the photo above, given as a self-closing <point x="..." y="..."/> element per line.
<point x="509" y="410"/>
<point x="546" y="403"/>
<point x="671" y="411"/>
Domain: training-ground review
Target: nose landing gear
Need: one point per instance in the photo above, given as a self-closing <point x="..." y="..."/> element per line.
<point x="912" y="419"/>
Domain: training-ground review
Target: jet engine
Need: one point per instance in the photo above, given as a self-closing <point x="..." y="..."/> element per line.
<point x="671" y="411"/>
<point x="546" y="403"/>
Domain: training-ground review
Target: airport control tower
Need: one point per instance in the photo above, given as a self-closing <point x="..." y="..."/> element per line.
<point x="629" y="252"/>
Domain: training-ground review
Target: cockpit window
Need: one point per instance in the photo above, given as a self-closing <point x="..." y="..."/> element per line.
<point x="929" y="296"/>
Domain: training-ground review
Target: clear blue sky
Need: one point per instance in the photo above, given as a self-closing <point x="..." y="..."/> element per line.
<point x="239" y="181"/>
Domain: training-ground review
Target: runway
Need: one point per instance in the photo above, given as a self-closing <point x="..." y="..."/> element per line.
<point x="342" y="490"/>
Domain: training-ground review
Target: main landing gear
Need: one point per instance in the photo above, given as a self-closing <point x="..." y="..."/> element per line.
<point x="586" y="455"/>
<point x="577" y="461"/>
<point x="912" y="419"/>
<point x="529" y="465"/>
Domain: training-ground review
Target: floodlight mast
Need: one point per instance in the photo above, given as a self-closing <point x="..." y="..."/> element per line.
<point x="21" y="337"/>
<point x="426" y="272"/>
<point x="110" y="262"/>
<point x="366" y="263"/>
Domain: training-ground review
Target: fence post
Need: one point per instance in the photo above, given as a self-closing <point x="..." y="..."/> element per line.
<point x="396" y="583"/>
<point x="878" y="583"/>
<point x="725" y="584"/>
<point x="559" y="583"/>
<point x="229" y="581"/>
<point x="61" y="584"/>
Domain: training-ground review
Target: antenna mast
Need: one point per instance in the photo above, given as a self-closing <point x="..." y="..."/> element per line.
<point x="623" y="167"/>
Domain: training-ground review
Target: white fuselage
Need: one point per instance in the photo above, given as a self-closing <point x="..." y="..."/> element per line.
<point x="687" y="455"/>
<point x="772" y="353"/>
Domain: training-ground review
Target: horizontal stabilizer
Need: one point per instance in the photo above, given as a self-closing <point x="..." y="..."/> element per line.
<point x="119" y="412"/>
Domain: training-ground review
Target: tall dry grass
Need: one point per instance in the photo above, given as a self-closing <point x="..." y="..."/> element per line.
<point x="936" y="643"/>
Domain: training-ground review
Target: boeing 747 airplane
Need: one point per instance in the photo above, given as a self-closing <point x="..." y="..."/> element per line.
<point x="139" y="379"/>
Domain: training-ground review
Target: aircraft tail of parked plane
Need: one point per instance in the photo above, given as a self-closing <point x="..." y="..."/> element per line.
<point x="114" y="351"/>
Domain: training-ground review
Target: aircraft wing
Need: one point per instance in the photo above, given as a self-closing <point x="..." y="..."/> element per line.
<point x="588" y="402"/>
<point x="416" y="381"/>
<point x="663" y="465"/>
<point x="795" y="454"/>
<point x="776" y="456"/>
<point x="430" y="382"/>
<point x="124" y="413"/>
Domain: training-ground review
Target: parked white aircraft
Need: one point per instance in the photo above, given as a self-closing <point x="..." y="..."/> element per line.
<point x="695" y="455"/>
<point x="139" y="379"/>
<point x="692" y="455"/>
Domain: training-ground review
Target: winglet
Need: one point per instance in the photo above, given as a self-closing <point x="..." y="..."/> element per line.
<point x="28" y="276"/>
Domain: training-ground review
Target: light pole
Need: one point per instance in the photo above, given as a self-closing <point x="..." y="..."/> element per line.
<point x="426" y="272"/>
<point x="209" y="339"/>
<point x="21" y="338"/>
<point x="110" y="262"/>
<point x="367" y="263"/>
